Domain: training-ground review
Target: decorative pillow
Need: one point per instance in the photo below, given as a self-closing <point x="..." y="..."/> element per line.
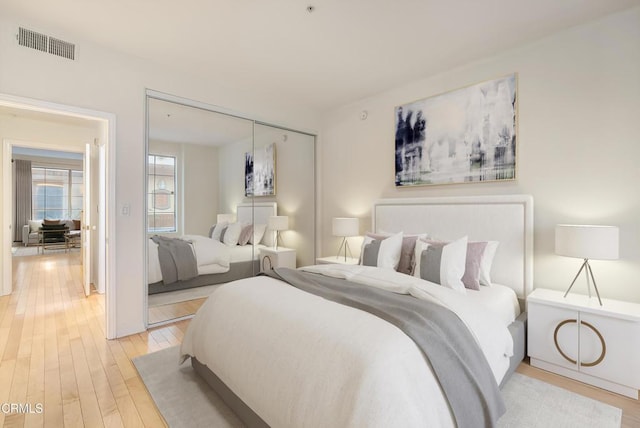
<point x="384" y="253"/>
<point x="405" y="265"/>
<point x="76" y="224"/>
<point x="50" y="222"/>
<point x="441" y="262"/>
<point x="232" y="234"/>
<point x="217" y="230"/>
<point x="222" y="232"/>
<point x="34" y="225"/>
<point x="258" y="233"/>
<point x="210" y="235"/>
<point x="487" y="261"/>
<point x="61" y="227"/>
<point x="245" y="234"/>
<point x="475" y="253"/>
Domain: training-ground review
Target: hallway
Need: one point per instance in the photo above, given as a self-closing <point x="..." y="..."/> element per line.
<point x="54" y="357"/>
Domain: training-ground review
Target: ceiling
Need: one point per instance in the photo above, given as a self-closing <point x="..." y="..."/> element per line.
<point x="341" y="52"/>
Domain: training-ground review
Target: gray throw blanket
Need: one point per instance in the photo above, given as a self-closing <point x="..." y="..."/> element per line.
<point x="177" y="261"/>
<point x="455" y="357"/>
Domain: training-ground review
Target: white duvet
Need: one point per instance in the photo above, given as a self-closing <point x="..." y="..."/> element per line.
<point x="299" y="360"/>
<point x="212" y="257"/>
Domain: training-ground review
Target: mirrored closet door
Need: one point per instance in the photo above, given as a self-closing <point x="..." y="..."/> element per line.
<point x="219" y="181"/>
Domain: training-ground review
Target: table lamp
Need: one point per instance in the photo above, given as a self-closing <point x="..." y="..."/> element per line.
<point x="278" y="223"/>
<point x="587" y="242"/>
<point x="345" y="227"/>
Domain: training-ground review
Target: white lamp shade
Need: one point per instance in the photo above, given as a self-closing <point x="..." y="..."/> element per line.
<point x="229" y="218"/>
<point x="587" y="241"/>
<point x="278" y="222"/>
<point x="345" y="226"/>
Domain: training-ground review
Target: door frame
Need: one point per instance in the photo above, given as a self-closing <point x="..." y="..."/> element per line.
<point x="107" y="175"/>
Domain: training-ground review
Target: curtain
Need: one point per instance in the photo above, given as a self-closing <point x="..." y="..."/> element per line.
<point x="21" y="196"/>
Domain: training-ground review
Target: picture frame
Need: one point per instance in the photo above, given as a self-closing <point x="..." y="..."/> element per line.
<point x="260" y="171"/>
<point x="467" y="135"/>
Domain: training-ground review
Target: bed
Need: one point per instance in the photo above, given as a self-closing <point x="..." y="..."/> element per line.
<point x="217" y="263"/>
<point x="256" y="344"/>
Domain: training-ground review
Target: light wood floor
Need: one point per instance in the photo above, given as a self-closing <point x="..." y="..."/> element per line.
<point x="53" y="352"/>
<point x="162" y="313"/>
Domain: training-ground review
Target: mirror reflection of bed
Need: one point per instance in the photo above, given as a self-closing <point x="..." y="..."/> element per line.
<point x="219" y="259"/>
<point x="196" y="179"/>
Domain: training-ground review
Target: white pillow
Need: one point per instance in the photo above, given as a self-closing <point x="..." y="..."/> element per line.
<point x="445" y="262"/>
<point x="487" y="261"/>
<point x="258" y="233"/>
<point x="218" y="230"/>
<point x="384" y="253"/>
<point x="232" y="234"/>
<point x="34" y="225"/>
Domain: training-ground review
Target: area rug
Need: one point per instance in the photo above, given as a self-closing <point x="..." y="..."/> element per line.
<point x="185" y="400"/>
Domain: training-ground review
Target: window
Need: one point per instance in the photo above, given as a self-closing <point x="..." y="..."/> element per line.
<point x="161" y="200"/>
<point x="56" y="193"/>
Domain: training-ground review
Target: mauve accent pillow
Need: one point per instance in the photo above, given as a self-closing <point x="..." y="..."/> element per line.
<point x="471" y="277"/>
<point x="76" y="224"/>
<point x="245" y="235"/>
<point x="50" y="222"/>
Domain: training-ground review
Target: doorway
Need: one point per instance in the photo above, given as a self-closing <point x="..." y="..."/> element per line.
<point x="52" y="121"/>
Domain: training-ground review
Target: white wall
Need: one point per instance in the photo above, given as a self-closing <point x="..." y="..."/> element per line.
<point x="200" y="188"/>
<point x="295" y="181"/>
<point x="578" y="146"/>
<point x="231" y="158"/>
<point x="110" y="82"/>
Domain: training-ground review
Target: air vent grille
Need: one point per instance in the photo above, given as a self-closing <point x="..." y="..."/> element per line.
<point x="44" y="43"/>
<point x="33" y="40"/>
<point x="61" y="48"/>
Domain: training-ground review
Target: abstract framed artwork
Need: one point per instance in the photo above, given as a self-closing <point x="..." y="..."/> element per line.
<point x="462" y="136"/>
<point x="260" y="171"/>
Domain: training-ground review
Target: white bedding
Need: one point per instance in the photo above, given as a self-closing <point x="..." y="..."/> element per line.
<point x="212" y="257"/>
<point x="340" y="366"/>
<point x="244" y="253"/>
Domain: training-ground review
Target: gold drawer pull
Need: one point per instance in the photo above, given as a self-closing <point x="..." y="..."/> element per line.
<point x="604" y="346"/>
<point x="572" y="361"/>
<point x="555" y="340"/>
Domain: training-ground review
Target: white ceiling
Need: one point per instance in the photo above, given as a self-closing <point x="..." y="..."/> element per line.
<point x="345" y="50"/>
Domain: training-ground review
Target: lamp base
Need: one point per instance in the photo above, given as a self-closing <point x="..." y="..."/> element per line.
<point x="344" y="244"/>
<point x="589" y="273"/>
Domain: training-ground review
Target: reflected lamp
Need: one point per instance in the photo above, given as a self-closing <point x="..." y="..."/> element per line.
<point x="278" y="223"/>
<point x="345" y="227"/>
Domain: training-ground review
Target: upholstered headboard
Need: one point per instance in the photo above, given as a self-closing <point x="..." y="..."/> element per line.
<point x="505" y="218"/>
<point x="258" y="213"/>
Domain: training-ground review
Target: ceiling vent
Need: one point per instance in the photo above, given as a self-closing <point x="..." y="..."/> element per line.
<point x="44" y="43"/>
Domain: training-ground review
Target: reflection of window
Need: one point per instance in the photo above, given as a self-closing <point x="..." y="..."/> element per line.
<point x="161" y="198"/>
<point x="56" y="193"/>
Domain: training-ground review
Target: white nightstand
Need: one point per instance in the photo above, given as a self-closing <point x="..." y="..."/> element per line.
<point x="282" y="257"/>
<point x="338" y="260"/>
<point x="578" y="338"/>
